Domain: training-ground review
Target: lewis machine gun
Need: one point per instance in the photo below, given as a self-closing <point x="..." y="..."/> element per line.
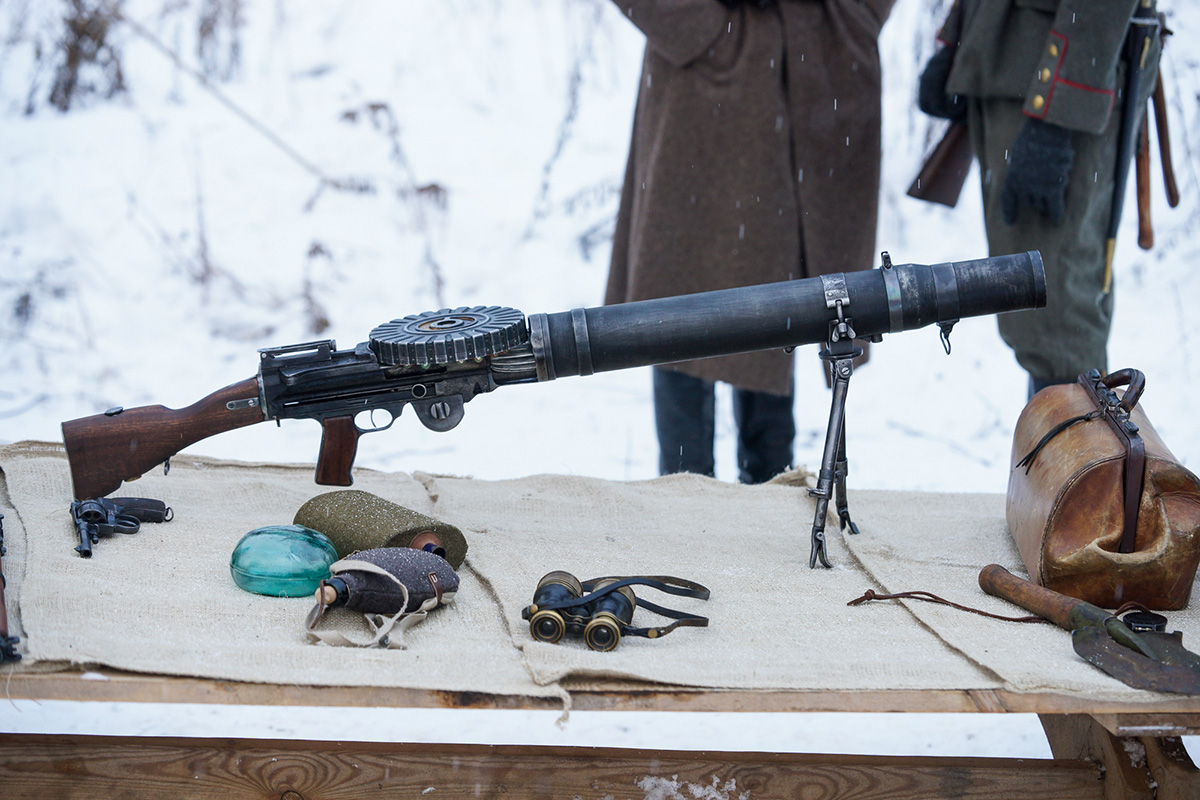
<point x="437" y="361"/>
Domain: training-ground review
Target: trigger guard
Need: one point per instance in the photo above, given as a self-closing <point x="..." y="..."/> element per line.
<point x="440" y="413"/>
<point x="126" y="523"/>
<point x="369" y="411"/>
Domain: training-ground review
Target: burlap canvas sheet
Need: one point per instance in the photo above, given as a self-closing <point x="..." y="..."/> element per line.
<point x="162" y="600"/>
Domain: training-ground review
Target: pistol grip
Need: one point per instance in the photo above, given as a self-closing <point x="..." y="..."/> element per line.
<point x="339" y="446"/>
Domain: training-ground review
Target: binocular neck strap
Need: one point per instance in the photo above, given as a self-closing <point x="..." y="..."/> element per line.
<point x="654" y="633"/>
<point x="681" y="618"/>
<point x="663" y="583"/>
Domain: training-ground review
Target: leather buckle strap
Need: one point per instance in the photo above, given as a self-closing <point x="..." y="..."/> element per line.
<point x="1116" y="412"/>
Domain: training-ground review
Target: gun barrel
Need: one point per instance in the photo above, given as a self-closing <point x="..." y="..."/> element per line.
<point x="777" y="315"/>
<point x="84" y="548"/>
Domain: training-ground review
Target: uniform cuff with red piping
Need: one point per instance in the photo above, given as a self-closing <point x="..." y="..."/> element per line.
<point x="1060" y="101"/>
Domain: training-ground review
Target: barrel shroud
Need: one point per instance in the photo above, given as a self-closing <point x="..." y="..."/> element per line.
<point x="889" y="299"/>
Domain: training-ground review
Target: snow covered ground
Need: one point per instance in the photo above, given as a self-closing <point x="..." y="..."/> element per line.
<point x="300" y="171"/>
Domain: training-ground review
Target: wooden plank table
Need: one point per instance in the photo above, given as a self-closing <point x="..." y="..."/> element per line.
<point x="1102" y="751"/>
<point x="1102" y="748"/>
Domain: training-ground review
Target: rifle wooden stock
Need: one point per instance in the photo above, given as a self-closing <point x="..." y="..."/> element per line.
<point x="945" y="170"/>
<point x="109" y="448"/>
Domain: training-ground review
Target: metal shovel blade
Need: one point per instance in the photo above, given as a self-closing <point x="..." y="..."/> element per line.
<point x="1175" y="670"/>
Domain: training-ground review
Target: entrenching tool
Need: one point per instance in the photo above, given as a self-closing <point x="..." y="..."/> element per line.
<point x="1143" y="659"/>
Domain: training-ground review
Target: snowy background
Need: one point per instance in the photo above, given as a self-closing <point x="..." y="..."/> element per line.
<point x="218" y="176"/>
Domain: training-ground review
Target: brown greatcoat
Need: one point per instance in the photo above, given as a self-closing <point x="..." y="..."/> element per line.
<point x="754" y="157"/>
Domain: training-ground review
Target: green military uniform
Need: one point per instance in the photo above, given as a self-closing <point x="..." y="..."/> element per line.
<point x="1058" y="61"/>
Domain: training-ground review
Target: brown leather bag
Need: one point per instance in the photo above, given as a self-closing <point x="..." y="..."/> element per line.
<point x="1098" y="506"/>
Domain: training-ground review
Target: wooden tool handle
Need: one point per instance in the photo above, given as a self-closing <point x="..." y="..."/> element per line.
<point x="1164" y="143"/>
<point x="1141" y="163"/>
<point x="999" y="582"/>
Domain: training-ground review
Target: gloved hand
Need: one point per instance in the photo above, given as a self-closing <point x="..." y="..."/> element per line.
<point x="1039" y="164"/>
<point x="931" y="91"/>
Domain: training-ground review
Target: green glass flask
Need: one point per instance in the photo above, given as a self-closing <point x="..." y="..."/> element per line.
<point x="282" y="560"/>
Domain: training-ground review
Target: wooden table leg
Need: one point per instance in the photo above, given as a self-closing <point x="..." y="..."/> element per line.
<point x="1176" y="777"/>
<point x="1135" y="768"/>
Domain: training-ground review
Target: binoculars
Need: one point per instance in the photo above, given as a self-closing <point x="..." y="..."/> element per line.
<point x="601" y="609"/>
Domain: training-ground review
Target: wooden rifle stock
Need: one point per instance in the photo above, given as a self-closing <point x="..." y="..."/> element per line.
<point x="123" y="444"/>
<point x="945" y="170"/>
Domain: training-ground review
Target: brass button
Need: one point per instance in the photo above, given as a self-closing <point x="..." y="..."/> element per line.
<point x="1038" y="102"/>
<point x="1044" y="74"/>
<point x="1054" y="50"/>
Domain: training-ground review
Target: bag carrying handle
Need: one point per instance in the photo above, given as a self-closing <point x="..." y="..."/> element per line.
<point x="1130" y="377"/>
